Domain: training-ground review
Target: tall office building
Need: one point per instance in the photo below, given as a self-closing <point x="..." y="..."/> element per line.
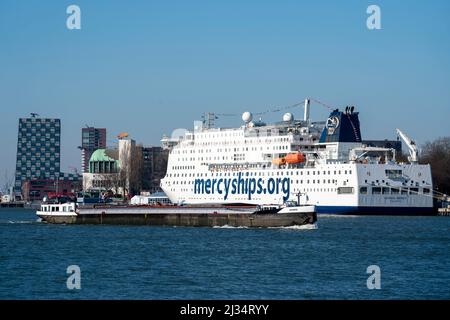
<point x="38" y="150"/>
<point x="91" y="140"/>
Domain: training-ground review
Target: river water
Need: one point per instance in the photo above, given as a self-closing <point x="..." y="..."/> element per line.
<point x="328" y="261"/>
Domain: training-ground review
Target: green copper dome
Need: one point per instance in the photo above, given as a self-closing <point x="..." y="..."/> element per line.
<point x="100" y="156"/>
<point x="103" y="161"/>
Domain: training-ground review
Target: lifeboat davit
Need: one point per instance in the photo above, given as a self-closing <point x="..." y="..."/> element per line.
<point x="295" y="158"/>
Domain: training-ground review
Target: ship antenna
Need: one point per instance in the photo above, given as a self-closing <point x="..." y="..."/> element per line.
<point x="208" y="119"/>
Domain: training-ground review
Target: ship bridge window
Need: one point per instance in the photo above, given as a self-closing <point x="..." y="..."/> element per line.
<point x="395" y="191"/>
<point x="385" y="190"/>
<point x="393" y="174"/>
<point x="363" y="190"/>
<point x="414" y="191"/>
<point x="376" y="190"/>
<point x="426" y="190"/>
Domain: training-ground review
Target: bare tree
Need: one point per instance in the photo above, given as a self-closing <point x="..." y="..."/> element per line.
<point x="8" y="181"/>
<point x="136" y="170"/>
<point x="110" y="181"/>
<point x="131" y="171"/>
<point x="437" y="154"/>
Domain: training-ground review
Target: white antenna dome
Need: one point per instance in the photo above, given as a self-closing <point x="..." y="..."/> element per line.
<point x="247" y="117"/>
<point x="288" y="117"/>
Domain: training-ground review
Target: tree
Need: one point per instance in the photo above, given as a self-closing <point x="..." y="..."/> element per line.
<point x="111" y="181"/>
<point x="136" y="170"/>
<point x="8" y="181"/>
<point x="131" y="170"/>
<point x="437" y="154"/>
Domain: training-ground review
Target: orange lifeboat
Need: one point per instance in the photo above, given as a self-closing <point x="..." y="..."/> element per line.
<point x="294" y="158"/>
<point x="279" y="161"/>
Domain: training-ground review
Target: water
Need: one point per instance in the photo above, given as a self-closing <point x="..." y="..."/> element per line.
<point x="327" y="262"/>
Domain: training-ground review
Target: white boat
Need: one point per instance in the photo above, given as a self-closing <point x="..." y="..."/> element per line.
<point x="47" y="211"/>
<point x="326" y="162"/>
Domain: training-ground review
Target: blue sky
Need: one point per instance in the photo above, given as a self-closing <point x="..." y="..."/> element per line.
<point x="148" y="67"/>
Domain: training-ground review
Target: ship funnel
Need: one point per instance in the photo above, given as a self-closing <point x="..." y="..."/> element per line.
<point x="306" y="116"/>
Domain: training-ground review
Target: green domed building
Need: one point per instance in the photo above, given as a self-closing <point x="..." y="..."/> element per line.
<point x="103" y="173"/>
<point x="104" y="161"/>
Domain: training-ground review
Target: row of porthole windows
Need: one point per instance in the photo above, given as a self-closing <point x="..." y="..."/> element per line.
<point x="252" y="174"/>
<point x="209" y="137"/>
<point x="254" y="198"/>
<point x="174" y="151"/>
<point x="393" y="190"/>
<point x="412" y="182"/>
<point x="313" y="181"/>
<point x="183" y="168"/>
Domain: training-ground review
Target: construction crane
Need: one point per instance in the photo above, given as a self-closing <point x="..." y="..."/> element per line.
<point x="413" y="152"/>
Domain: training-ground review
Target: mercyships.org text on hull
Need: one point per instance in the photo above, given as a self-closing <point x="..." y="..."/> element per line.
<point x="323" y="163"/>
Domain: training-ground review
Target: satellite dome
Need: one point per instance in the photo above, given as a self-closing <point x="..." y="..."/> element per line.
<point x="288" y="117"/>
<point x="247" y="117"/>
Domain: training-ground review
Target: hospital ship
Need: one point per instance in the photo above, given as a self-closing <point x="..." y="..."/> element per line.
<point x="324" y="163"/>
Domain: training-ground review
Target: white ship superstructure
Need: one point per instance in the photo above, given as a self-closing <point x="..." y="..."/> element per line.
<point x="321" y="163"/>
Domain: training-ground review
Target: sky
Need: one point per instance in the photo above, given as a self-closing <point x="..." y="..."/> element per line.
<point x="149" y="67"/>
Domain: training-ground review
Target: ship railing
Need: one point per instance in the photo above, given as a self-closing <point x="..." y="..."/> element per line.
<point x="238" y="167"/>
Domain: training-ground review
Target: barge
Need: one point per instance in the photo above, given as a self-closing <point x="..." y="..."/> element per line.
<point x="187" y="216"/>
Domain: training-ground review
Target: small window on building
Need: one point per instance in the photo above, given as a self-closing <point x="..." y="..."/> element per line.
<point x="363" y="190"/>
